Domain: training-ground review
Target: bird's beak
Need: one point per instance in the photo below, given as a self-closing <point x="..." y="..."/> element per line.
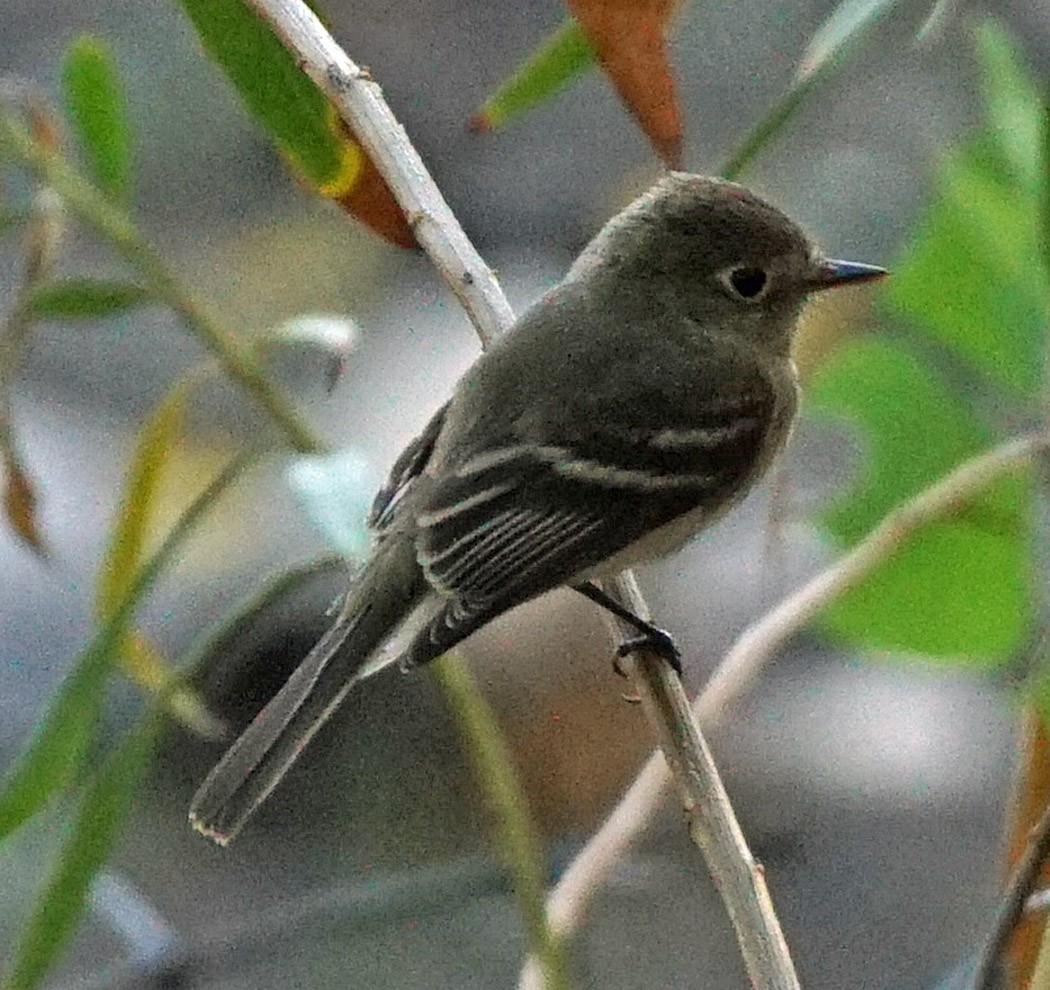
<point x="830" y="274"/>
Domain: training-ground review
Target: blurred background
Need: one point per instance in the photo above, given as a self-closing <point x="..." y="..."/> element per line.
<point x="874" y="789"/>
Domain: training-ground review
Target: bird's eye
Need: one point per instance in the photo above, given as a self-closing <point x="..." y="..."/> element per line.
<point x="747" y="283"/>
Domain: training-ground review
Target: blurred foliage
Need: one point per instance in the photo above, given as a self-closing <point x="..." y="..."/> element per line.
<point x="494" y="769"/>
<point x="560" y="58"/>
<point x="156" y="440"/>
<point x="54" y="759"/>
<point x="971" y="281"/>
<point x="628" y="39"/>
<point x="95" y="106"/>
<point x="295" y="113"/>
<point x="959" y="590"/>
<point x="141" y="659"/>
<point x="102" y="812"/>
<point x="568" y="52"/>
<point x="85" y="298"/>
<point x="972" y="278"/>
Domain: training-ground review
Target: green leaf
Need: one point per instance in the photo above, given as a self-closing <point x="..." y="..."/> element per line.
<point x="54" y="755"/>
<point x="960" y="588"/>
<point x="100" y="819"/>
<point x="275" y="90"/>
<point x="839" y="29"/>
<point x="143" y="662"/>
<point x="85" y="298"/>
<point x="972" y="277"/>
<point x="562" y="57"/>
<point x="1013" y="106"/>
<point x="828" y="56"/>
<point x="96" y="107"/>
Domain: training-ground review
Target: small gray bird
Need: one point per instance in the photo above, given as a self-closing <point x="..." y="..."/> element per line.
<point x="630" y="407"/>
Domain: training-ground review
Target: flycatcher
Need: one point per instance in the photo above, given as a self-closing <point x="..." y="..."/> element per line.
<point x="628" y="409"/>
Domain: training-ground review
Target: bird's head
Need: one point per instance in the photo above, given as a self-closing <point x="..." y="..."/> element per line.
<point x="716" y="253"/>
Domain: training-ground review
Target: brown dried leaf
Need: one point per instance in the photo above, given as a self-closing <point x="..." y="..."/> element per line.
<point x="630" y="37"/>
<point x="20" y="504"/>
<point x="362" y="192"/>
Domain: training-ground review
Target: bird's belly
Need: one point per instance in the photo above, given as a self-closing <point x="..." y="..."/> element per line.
<point x="660" y="542"/>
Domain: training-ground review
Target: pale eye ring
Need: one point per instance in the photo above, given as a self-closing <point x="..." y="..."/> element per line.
<point x="746" y="282"/>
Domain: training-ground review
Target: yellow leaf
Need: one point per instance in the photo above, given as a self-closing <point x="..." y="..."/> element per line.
<point x="136" y="522"/>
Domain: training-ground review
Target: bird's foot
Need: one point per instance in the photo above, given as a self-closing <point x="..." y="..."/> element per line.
<point x="655" y="639"/>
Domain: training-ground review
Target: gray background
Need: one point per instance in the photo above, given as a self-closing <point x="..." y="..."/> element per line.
<point x="873" y="788"/>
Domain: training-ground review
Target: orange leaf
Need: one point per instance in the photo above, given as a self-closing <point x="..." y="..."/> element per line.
<point x="294" y="112"/>
<point x="360" y="190"/>
<point x="630" y="37"/>
<point x="1032" y="793"/>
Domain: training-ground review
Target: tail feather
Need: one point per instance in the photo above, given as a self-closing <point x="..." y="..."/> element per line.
<point x="385" y="592"/>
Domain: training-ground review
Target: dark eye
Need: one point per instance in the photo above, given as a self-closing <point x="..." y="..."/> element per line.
<point x="748" y="283"/>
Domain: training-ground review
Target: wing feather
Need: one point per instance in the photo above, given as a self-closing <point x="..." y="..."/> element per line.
<point x="504" y="524"/>
<point x="406" y="469"/>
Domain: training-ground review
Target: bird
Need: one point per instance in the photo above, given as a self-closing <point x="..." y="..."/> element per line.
<point x="630" y="407"/>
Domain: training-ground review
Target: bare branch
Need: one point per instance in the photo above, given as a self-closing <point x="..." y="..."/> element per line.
<point x="713" y="826"/>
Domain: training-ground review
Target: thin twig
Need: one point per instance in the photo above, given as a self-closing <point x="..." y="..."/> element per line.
<point x="1012" y="906"/>
<point x="713" y="826"/>
<point x="114" y="224"/>
<point x="755" y="648"/>
<point x="523" y="851"/>
<point x="360" y="103"/>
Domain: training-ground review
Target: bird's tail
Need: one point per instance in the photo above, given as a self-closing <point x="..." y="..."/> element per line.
<point x="383" y="595"/>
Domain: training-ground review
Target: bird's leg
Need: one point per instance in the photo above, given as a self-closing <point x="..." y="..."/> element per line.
<point x="651" y="637"/>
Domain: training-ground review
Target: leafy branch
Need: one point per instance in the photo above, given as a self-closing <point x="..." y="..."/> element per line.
<point x="114" y="225"/>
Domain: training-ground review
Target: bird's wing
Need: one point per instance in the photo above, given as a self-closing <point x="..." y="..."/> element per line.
<point x="406" y="469"/>
<point x="512" y="522"/>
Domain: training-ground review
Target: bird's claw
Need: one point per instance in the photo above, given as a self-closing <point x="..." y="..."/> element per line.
<point x="657" y="640"/>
